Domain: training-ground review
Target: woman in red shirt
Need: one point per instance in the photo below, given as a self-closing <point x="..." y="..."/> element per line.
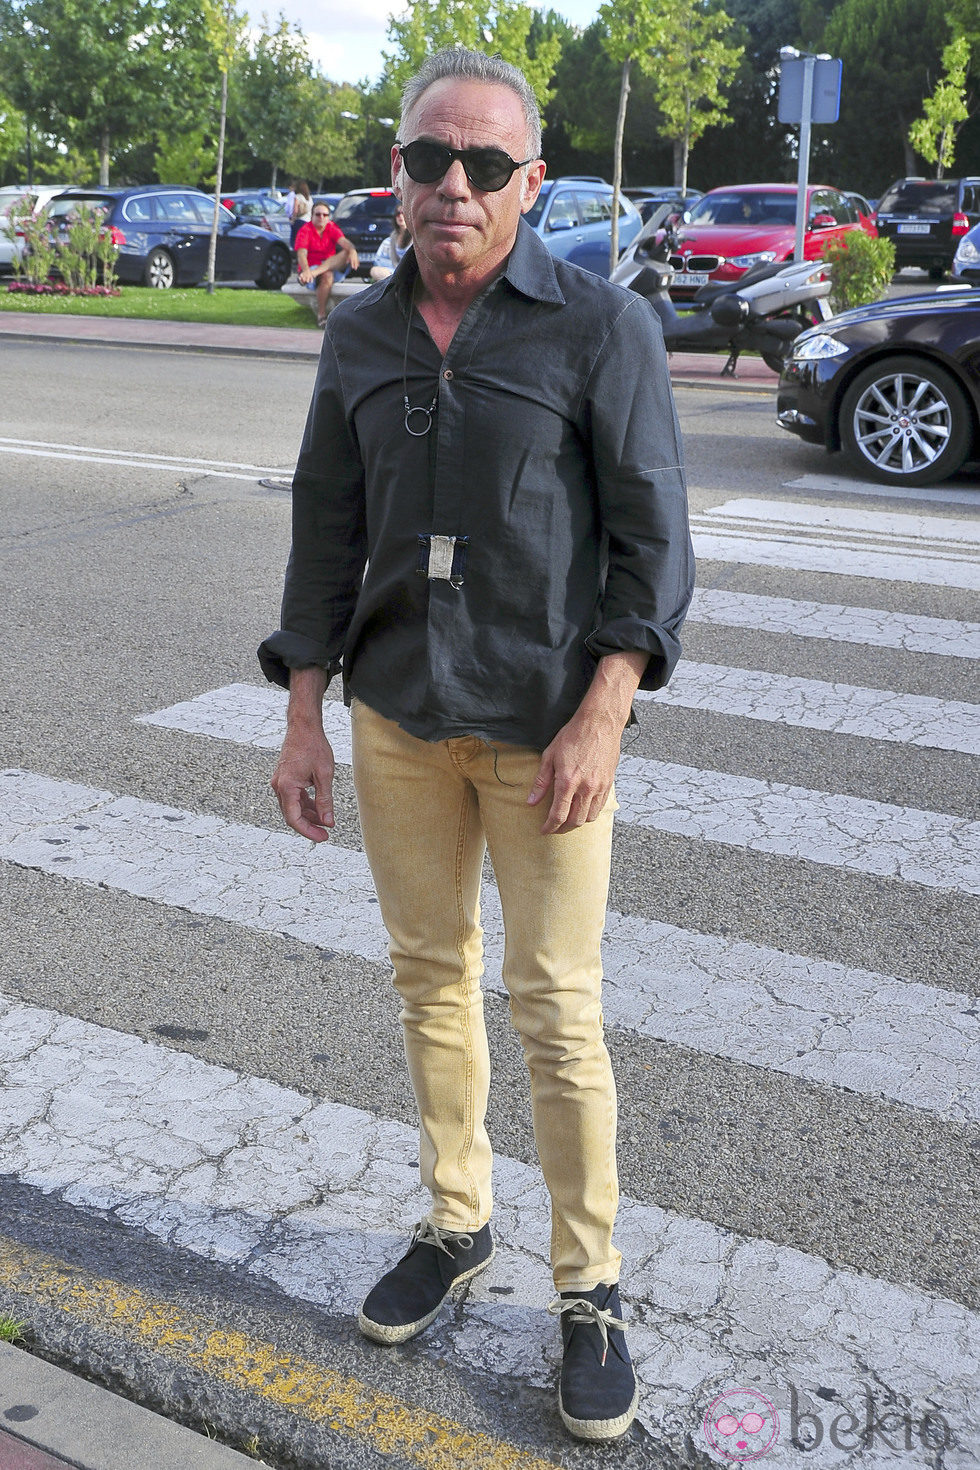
<point x="322" y="249"/>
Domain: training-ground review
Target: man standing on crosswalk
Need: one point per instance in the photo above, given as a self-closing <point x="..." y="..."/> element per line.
<point x="490" y="543"/>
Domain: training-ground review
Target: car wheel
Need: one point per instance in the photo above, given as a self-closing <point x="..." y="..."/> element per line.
<point x="159" y="270"/>
<point x="904" y="421"/>
<point x="937" y="273"/>
<point x="276" y="271"/>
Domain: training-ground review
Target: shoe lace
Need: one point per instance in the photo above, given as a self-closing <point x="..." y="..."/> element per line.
<point x="583" y="1313"/>
<point x="427" y="1233"/>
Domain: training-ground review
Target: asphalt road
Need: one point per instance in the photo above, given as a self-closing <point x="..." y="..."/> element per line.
<point x="202" y="1094"/>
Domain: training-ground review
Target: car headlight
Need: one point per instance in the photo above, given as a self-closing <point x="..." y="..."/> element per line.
<point x="761" y="257"/>
<point x="817" y="347"/>
<point x="967" y="253"/>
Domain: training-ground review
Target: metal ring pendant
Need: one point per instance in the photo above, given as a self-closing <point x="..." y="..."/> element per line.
<point x="426" y="415"/>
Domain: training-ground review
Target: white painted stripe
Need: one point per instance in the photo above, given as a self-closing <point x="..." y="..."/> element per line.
<point x="910" y="1043"/>
<point x="830" y="556"/>
<point x="173" y="467"/>
<point x="874" y="627"/>
<point x="845" y="709"/>
<point x="925" y="847"/>
<point x="915" y="846"/>
<point x="132" y="454"/>
<point x="316" y="1198"/>
<point x="835" y="485"/>
<point x="803" y="516"/>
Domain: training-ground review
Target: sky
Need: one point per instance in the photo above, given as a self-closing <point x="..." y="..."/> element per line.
<point x="346" y="40"/>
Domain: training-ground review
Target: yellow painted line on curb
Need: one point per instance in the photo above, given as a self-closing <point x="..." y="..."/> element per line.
<point x="283" y="1380"/>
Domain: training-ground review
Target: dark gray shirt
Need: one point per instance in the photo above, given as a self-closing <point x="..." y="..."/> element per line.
<point x="554" y="451"/>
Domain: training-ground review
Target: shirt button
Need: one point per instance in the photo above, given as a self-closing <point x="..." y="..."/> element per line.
<point x="448" y="375"/>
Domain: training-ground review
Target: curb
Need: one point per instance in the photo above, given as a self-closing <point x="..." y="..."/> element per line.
<point x="687" y="369"/>
<point x="50" y="1418"/>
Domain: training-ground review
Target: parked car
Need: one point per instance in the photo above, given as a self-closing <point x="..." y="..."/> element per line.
<point x="163" y="233"/>
<point x="366" y="216"/>
<point x="865" y="206"/>
<point x="732" y="229"/>
<point x="331" y="199"/>
<point x="21" y="201"/>
<point x="649" y="200"/>
<point x="573" y="216"/>
<point x="926" y="218"/>
<point x="892" y="384"/>
<point x="260" y="209"/>
<point x="966" y="261"/>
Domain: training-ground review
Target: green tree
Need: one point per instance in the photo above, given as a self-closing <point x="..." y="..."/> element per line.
<point x="272" y="92"/>
<point x="93" y="74"/>
<point x="13" y="130"/>
<point x="327" y="142"/>
<point x="631" y="31"/>
<point x="503" y="27"/>
<point x="933" y="135"/>
<point x="694" y="63"/>
<point x="890" y="49"/>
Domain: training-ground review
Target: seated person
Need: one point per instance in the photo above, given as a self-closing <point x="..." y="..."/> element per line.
<point x="392" y="248"/>
<point x="323" y="253"/>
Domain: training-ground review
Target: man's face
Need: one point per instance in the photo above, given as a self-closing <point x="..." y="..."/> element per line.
<point x="455" y="226"/>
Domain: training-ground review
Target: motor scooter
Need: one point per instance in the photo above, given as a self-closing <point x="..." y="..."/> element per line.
<point x="763" y="311"/>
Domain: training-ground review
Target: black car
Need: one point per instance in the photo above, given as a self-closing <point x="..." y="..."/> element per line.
<point x="366" y="217"/>
<point x="926" y="218"/>
<point x="895" y="385"/>
<point x="163" y="233"/>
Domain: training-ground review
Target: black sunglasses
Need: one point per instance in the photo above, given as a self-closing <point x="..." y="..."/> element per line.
<point x="488" y="169"/>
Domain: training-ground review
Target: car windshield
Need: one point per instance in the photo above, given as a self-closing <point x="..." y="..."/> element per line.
<point x="365" y="207"/>
<point x="935" y="195"/>
<point x="731" y="208"/>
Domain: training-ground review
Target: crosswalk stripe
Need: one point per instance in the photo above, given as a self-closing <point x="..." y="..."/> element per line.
<point x="873" y="627"/>
<point x="830" y="556"/>
<point x="812" y="1019"/>
<point x="846" y="709"/>
<point x="839" y="485"/>
<point x="313" y="1198"/>
<point x="882" y="525"/>
<point x="886" y="546"/>
<point x="866" y="836"/>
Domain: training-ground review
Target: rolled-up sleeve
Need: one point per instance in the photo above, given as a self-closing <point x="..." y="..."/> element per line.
<point x="329" y="543"/>
<point x="631" y="423"/>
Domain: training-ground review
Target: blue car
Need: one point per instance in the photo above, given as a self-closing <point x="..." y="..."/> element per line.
<point x="573" y="216"/>
<point x="163" y="233"/>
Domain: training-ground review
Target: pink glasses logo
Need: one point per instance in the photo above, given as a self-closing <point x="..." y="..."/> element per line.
<point x="741" y="1424"/>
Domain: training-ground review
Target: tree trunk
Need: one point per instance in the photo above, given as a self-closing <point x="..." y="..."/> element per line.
<point x="213" y="242"/>
<point x="624" y="91"/>
<point x="104" y="158"/>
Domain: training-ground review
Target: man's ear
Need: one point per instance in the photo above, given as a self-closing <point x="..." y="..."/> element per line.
<point x="531" y="186"/>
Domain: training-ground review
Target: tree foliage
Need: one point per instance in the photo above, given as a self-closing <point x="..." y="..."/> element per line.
<point x="502" y="27"/>
<point x="944" y="113"/>
<point x="695" y="61"/>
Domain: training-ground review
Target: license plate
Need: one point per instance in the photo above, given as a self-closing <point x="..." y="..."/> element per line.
<point x="690" y="278"/>
<point x="914" y="229"/>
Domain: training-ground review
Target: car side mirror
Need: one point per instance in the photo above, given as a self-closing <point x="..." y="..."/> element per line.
<point x="560" y="224"/>
<point x="822" y="222"/>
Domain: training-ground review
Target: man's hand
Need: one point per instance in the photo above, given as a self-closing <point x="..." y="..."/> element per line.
<point x="303" y="779"/>
<point x="579" y="766"/>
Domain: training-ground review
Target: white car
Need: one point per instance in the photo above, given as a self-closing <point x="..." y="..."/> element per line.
<point x="35" y="197"/>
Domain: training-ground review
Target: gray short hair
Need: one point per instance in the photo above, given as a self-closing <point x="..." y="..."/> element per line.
<point x="475" y="66"/>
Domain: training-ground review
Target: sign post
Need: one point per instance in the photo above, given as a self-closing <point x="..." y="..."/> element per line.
<point x="809" y="92"/>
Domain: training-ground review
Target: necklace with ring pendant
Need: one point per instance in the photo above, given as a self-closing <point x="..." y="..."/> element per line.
<point x="421" y="416"/>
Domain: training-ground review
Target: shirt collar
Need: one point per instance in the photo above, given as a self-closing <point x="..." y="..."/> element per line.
<point x="530" y="270"/>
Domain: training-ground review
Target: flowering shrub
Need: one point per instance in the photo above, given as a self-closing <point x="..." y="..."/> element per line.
<point x="59" y="288"/>
<point x="80" y="253"/>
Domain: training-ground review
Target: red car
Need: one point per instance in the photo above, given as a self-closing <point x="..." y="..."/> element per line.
<point x="730" y="230"/>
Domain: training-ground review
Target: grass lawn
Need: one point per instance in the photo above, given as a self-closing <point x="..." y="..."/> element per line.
<point x="234" y="307"/>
